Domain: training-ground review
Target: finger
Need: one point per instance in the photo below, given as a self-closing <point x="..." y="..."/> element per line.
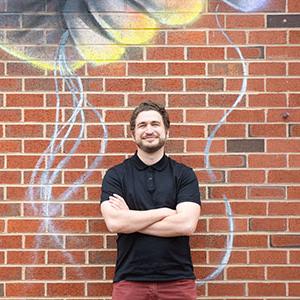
<point x="118" y="197"/>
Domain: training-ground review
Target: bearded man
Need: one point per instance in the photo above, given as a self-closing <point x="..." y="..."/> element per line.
<point x="153" y="203"/>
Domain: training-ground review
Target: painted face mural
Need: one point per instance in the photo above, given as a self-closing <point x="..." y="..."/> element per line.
<point x="81" y="31"/>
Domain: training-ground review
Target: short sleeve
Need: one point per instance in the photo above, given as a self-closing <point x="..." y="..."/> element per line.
<point x="188" y="187"/>
<point x="111" y="184"/>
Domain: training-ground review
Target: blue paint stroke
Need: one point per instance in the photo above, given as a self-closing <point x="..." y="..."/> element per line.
<point x="229" y="214"/>
<point x="246" y="5"/>
<point x="48" y="178"/>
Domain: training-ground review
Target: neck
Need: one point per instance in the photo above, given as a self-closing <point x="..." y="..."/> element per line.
<point x="150" y="158"/>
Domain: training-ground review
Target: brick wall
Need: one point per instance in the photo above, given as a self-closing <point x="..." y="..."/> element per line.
<point x="56" y="246"/>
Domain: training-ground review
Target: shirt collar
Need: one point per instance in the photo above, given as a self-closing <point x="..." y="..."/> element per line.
<point x="159" y="166"/>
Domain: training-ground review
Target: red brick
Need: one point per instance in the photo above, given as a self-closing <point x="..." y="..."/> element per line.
<point x="10" y="242"/>
<point x="294" y="289"/>
<point x="84" y="242"/>
<point x="293" y="6"/>
<point x="294" y="225"/>
<point x="65" y="289"/>
<point x="91" y="84"/>
<point x="107" y="70"/>
<point x="71" y="176"/>
<point x="267" y="130"/>
<point x="221" y="225"/>
<point x="44" y="241"/>
<point x="246" y="176"/>
<point x="186" y="100"/>
<point x="267" y="289"/>
<point x="22" y="161"/>
<point x="120" y="146"/>
<point x="43" y="273"/>
<point x="10" y="115"/>
<point x="24" y="100"/>
<point x="82" y="210"/>
<point x="25" y="257"/>
<point x="25" y="226"/>
<point x="165" y="53"/>
<point x="123" y="85"/>
<point x="283" y="84"/>
<point x="294" y="69"/>
<point x="205" y="84"/>
<point x="106" y="100"/>
<point x="146" y="69"/>
<point x="294" y="37"/>
<point x="24" y="130"/>
<point x="226" y="289"/>
<point x="88" y="273"/>
<point x="206" y="53"/>
<point x="268" y="257"/>
<point x="225" y="100"/>
<point x="165" y="84"/>
<point x="186" y="38"/>
<point x="41" y="115"/>
<point x="294" y="161"/>
<point x="249" y="52"/>
<point x="267" y="100"/>
<point x="213" y="115"/>
<point x="218" y="38"/>
<point x="291" y="52"/>
<point x="268" y="69"/>
<point x="25" y="290"/>
<point x="294" y="100"/>
<point x="245" y="21"/>
<point x="186" y="131"/>
<point x="293" y="192"/>
<point x="229" y="130"/>
<point x="253" y="85"/>
<point x="199" y="146"/>
<point x="10" y="210"/>
<point x="194" y="161"/>
<point x="245" y="116"/>
<point x="86" y="146"/>
<point x="66" y="257"/>
<point x="136" y="99"/>
<point x="268" y="225"/>
<point x="68" y="226"/>
<point x="285" y="241"/>
<point x="38" y="209"/>
<point x="231" y="192"/>
<point x="266" y="192"/>
<point x="97" y="226"/>
<point x="278" y="115"/>
<point x="294" y="256"/>
<point x="283" y="145"/>
<point x="225" y="69"/>
<point x="21" y="69"/>
<point x="10" y="273"/>
<point x="267" y="37"/>
<point x="10" y="177"/>
<point x="43" y="84"/>
<point x="282" y="209"/>
<point x="251" y="241"/>
<point x="236" y="257"/>
<point x="247" y="208"/>
<point x="246" y="273"/>
<point x="267" y="160"/>
<point x="184" y="69"/>
<point x="227" y="161"/>
<point x="10" y="85"/>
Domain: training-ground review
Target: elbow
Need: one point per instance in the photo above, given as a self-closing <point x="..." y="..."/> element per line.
<point x="112" y="227"/>
<point x="189" y="229"/>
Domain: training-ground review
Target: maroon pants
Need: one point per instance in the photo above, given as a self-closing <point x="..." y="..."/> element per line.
<point x="169" y="290"/>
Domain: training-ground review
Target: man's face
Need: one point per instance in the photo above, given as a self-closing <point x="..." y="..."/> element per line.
<point x="149" y="134"/>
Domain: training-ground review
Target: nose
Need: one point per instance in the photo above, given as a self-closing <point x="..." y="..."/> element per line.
<point x="149" y="129"/>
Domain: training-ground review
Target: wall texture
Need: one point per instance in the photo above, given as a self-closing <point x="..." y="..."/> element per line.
<point x="229" y="74"/>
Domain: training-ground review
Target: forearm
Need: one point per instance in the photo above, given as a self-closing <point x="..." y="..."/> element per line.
<point x="175" y="225"/>
<point x="128" y="221"/>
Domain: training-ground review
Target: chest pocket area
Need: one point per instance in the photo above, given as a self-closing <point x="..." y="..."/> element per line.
<point x="165" y="192"/>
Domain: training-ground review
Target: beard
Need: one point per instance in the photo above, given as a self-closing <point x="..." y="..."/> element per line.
<point x="149" y="148"/>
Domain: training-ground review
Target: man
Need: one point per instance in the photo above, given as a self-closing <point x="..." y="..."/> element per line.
<point x="153" y="203"/>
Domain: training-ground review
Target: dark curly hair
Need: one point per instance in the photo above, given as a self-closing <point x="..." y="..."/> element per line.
<point x="146" y="106"/>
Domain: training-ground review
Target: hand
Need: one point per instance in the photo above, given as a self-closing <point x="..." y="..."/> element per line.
<point x="118" y="202"/>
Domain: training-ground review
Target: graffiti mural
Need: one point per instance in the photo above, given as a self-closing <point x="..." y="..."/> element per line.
<point x="89" y="31"/>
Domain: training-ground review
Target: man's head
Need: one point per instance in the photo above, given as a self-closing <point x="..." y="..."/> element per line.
<point x="149" y="125"/>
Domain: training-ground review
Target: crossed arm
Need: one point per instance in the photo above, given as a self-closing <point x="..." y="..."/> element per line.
<point x="163" y="222"/>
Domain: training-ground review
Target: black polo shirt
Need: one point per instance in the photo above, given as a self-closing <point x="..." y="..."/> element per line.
<point x="166" y="183"/>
